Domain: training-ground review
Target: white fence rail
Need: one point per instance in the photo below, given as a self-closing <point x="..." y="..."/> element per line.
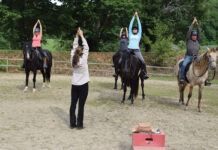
<point x="7" y="65"/>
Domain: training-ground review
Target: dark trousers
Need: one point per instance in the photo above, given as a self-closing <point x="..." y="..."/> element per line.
<point x="40" y="50"/>
<point x="78" y="92"/>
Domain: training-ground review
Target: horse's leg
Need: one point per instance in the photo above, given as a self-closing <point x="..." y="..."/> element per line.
<point x="199" y="97"/>
<point x="181" y="91"/>
<point x="34" y="81"/>
<point x="43" y="75"/>
<point x="124" y="93"/>
<point x="27" y="80"/>
<point x="142" y="85"/>
<point x="48" y="76"/>
<point x="121" y="84"/>
<point x="116" y="78"/>
<point x="131" y="95"/>
<point x="189" y="97"/>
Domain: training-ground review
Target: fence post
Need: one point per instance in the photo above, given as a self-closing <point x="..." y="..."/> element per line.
<point x="53" y="65"/>
<point x="7" y="64"/>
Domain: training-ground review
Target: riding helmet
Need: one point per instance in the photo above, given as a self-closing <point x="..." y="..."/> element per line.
<point x="37" y="30"/>
<point x="134" y="27"/>
<point x="194" y="32"/>
<point x="123" y="33"/>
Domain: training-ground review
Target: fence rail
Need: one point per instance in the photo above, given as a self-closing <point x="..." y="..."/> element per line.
<point x="108" y="70"/>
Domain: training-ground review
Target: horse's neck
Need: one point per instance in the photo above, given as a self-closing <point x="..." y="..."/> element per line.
<point x="201" y="64"/>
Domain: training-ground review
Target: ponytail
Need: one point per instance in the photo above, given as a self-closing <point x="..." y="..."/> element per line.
<point x="78" y="53"/>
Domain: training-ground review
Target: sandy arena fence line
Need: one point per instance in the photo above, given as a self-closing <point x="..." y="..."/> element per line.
<point x="107" y="71"/>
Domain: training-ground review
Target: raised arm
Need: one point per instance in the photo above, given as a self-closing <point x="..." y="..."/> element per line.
<point x="199" y="31"/>
<point x="40" y="25"/>
<point x="85" y="45"/>
<point x="127" y="35"/>
<point x="188" y="35"/>
<point x="75" y="45"/>
<point x="140" y="27"/>
<point x="130" y="25"/>
<point x="121" y="30"/>
<point x="35" y="26"/>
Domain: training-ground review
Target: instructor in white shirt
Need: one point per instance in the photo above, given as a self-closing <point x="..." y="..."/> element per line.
<point x="79" y="90"/>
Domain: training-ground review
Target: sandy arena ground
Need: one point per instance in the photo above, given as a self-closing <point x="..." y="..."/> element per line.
<point x="40" y="121"/>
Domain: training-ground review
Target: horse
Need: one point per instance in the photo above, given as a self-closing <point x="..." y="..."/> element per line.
<point x="130" y="73"/>
<point x="196" y="75"/>
<point x="33" y="61"/>
<point x="117" y="59"/>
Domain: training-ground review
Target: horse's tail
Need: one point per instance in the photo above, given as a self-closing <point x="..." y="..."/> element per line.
<point x="135" y="87"/>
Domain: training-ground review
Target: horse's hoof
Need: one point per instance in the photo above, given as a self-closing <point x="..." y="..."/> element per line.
<point x="180" y="104"/>
<point x="49" y="86"/>
<point x="122" y="103"/>
<point x="115" y="88"/>
<point x="131" y="105"/>
<point x="200" y="111"/>
<point x="25" y="89"/>
<point x="43" y="85"/>
<point x="34" y="90"/>
<point x="186" y="108"/>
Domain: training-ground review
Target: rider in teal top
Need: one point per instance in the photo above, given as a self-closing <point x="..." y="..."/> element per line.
<point x="135" y="33"/>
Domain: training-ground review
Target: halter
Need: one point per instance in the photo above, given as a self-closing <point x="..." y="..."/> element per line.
<point x="210" y="62"/>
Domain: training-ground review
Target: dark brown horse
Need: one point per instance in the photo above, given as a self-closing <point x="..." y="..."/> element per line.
<point x="32" y="62"/>
<point x="130" y="73"/>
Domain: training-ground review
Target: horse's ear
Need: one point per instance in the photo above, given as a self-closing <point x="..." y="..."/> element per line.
<point x="208" y="50"/>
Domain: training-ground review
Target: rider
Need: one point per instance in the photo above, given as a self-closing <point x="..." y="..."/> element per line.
<point x="192" y="46"/>
<point x="123" y="46"/>
<point x="36" y="43"/>
<point x="135" y="33"/>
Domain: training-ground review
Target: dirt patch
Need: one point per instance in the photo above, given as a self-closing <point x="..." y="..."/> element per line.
<point x="41" y="120"/>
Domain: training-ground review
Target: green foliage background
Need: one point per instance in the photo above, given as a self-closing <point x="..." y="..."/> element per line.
<point x="163" y="22"/>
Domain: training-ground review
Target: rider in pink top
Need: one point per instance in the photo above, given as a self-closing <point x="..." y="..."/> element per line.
<point x="36" y="43"/>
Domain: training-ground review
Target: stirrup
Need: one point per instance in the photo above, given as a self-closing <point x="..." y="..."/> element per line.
<point x="181" y="81"/>
<point x="45" y="65"/>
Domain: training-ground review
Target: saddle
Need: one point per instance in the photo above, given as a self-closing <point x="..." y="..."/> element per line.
<point x="186" y="69"/>
<point x="40" y="55"/>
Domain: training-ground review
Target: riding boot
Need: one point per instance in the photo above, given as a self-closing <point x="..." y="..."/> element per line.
<point x="22" y="65"/>
<point x="44" y="64"/>
<point x="144" y="71"/>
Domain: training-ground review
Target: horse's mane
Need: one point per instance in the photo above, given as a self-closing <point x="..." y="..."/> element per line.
<point x="200" y="57"/>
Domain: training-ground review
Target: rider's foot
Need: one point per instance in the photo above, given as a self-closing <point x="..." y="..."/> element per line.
<point x="44" y="65"/>
<point x="207" y="83"/>
<point x="146" y="76"/>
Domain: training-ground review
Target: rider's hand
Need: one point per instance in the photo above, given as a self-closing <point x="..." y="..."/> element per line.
<point x="136" y="14"/>
<point x="81" y="33"/>
<point x="194" y="21"/>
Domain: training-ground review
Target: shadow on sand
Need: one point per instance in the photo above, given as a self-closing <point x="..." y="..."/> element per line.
<point x="61" y="114"/>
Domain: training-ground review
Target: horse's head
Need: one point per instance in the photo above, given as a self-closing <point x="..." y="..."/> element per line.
<point x="27" y="50"/>
<point x="212" y="56"/>
<point x="126" y="62"/>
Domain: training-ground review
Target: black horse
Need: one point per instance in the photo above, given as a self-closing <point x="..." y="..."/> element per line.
<point x="117" y="59"/>
<point x="130" y="74"/>
<point x="33" y="61"/>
